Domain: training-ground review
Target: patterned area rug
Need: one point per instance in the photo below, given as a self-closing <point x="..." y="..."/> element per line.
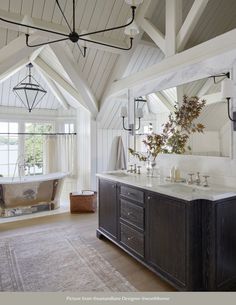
<point x="55" y="261"/>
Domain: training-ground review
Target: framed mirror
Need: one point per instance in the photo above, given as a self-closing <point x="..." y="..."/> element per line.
<point x="217" y="136"/>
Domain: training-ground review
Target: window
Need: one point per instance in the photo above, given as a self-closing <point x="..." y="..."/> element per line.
<point x="69" y="128"/>
<point x="33" y="147"/>
<point x="22" y="154"/>
<point x="8" y="148"/>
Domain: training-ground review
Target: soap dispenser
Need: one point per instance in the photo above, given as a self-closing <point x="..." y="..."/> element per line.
<point x="177" y="174"/>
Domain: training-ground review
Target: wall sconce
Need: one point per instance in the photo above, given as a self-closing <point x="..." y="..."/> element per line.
<point x="138" y="111"/>
<point x="227" y="92"/>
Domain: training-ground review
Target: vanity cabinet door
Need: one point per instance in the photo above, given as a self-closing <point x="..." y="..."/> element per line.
<point x="166" y="237"/>
<point x="108" y="217"/>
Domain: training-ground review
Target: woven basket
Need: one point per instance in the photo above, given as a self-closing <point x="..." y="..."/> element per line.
<point x="81" y="203"/>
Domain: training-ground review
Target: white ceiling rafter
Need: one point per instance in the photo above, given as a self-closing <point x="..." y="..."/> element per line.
<point x="173" y="22"/>
<point x="167" y="42"/>
<point x="51" y="84"/>
<point x="154" y="34"/>
<point x="146" y="79"/>
<point x="165" y="101"/>
<point x="58" y="79"/>
<point x="67" y="61"/>
<point x="14" y="56"/>
<point x="190" y="23"/>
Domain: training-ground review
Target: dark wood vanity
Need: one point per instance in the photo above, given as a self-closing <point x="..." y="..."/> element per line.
<point x="190" y="244"/>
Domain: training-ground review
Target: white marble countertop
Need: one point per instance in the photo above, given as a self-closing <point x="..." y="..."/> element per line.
<point x="177" y="190"/>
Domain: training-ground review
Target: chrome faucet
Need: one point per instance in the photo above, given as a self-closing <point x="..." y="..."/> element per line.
<point x="131" y="169"/>
<point x="205" y="184"/>
<point x="190" y="180"/>
<point x="198" y="179"/>
<point x="138" y="171"/>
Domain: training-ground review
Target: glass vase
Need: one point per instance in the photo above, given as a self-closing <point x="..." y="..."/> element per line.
<point x="150" y="167"/>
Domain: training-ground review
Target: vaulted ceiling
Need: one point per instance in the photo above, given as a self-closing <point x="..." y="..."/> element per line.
<point x="71" y="78"/>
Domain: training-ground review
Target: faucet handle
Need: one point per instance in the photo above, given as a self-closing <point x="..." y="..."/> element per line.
<point x="205" y="184"/>
<point x="190" y="180"/>
<point x="138" y="171"/>
<point x="198" y="179"/>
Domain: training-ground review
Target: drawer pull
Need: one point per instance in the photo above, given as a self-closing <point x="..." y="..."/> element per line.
<point x="129" y="213"/>
<point x="114" y="186"/>
<point x="130" y="238"/>
<point x="131" y="194"/>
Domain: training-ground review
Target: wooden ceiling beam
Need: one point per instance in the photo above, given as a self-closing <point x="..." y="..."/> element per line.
<point x="14" y="56"/>
<point x="165" y="101"/>
<point x="52" y="86"/>
<point x="58" y="79"/>
<point x="154" y="33"/>
<point x="173" y="24"/>
<point x="190" y="23"/>
<point x="178" y="64"/>
<point x="70" y="66"/>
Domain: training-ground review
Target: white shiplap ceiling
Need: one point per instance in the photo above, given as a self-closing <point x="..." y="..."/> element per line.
<point x="96" y="69"/>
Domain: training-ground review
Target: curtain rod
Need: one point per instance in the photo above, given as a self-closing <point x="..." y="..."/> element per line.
<point x="37" y="133"/>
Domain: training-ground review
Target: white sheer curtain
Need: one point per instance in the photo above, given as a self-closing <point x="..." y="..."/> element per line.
<point x="60" y="154"/>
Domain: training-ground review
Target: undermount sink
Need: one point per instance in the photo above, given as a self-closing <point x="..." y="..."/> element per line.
<point x="179" y="188"/>
<point x="118" y="174"/>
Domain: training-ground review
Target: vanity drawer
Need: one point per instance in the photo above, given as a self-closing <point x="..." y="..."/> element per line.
<point x="132" y="239"/>
<point x="132" y="193"/>
<point x="132" y="213"/>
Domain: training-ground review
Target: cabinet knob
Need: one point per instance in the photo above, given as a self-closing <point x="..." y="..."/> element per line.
<point x="149" y="197"/>
<point x="130" y="238"/>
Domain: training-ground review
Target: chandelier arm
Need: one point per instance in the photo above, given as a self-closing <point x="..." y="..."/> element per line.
<point x="33" y="27"/>
<point x="108" y="45"/>
<point x="114" y="28"/>
<point x="73" y="15"/>
<point x="83" y="53"/>
<point x="59" y="6"/>
<point x="42" y="44"/>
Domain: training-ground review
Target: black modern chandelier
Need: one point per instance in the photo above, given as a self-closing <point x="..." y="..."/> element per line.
<point x="29" y="91"/>
<point x="131" y="30"/>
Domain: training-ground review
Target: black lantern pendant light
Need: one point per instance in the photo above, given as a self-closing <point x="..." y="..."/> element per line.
<point x="29" y="91"/>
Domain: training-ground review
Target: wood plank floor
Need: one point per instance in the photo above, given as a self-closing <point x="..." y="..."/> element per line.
<point x="86" y="224"/>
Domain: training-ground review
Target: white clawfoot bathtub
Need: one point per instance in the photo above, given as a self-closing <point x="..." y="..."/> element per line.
<point x="29" y="194"/>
